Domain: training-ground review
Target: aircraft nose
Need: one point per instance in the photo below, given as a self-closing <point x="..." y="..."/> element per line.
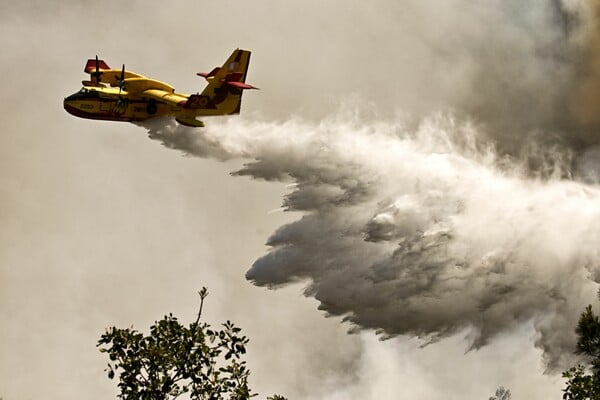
<point x="68" y="108"/>
<point x="67" y="105"/>
<point x="71" y="97"/>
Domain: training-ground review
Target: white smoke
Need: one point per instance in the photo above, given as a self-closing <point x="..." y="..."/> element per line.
<point x="446" y="225"/>
<point x="422" y="232"/>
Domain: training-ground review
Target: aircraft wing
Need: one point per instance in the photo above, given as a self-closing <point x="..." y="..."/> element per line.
<point x="193" y="102"/>
<point x="163" y="96"/>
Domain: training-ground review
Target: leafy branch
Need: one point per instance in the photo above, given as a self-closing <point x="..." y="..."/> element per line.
<point x="175" y="359"/>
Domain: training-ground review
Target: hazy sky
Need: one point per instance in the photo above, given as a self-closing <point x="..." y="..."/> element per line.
<point x="419" y="147"/>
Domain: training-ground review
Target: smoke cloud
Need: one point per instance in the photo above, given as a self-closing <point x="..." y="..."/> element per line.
<point x="529" y="73"/>
<point x="422" y="232"/>
<point x="483" y="218"/>
<point x="459" y="198"/>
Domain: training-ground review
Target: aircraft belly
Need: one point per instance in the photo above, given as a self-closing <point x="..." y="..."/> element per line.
<point x="111" y="110"/>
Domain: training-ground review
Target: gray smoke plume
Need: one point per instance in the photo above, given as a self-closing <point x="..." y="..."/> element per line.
<point x="417" y="232"/>
<point x="483" y="218"/>
<point x="528" y="72"/>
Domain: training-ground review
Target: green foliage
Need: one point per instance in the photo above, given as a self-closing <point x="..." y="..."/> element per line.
<point x="582" y="385"/>
<point x="501" y="394"/>
<point x="174" y="359"/>
<point x="588" y="332"/>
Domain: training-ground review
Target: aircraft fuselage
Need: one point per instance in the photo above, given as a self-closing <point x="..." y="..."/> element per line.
<point x="105" y="103"/>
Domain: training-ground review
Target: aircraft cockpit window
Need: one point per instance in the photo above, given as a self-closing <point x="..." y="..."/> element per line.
<point x="84" y="93"/>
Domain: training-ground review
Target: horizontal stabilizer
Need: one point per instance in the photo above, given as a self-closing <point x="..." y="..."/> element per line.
<point x="240" y="85"/>
<point x="209" y="74"/>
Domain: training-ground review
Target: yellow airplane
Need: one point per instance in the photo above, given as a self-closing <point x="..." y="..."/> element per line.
<point x="119" y="95"/>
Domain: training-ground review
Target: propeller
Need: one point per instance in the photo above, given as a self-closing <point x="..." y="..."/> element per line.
<point x="97" y="73"/>
<point x="121" y="81"/>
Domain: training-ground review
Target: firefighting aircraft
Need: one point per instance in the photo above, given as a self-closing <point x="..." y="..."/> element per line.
<point x="120" y="95"/>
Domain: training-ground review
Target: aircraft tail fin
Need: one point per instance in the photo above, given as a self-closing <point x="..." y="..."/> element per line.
<point x="226" y="83"/>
